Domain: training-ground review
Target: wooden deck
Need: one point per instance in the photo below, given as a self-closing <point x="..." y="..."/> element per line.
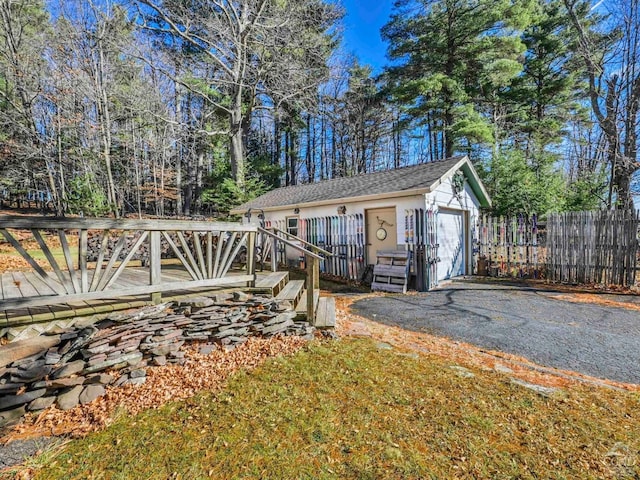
<point x="17" y="285"/>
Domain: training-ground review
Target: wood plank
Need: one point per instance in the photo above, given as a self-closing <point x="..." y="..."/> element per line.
<point x="292" y="291"/>
<point x="22" y="283"/>
<point x="272" y="280"/>
<point x="143" y="289"/>
<point x="326" y="314"/>
<point x="21" y="222"/>
<point x="9" y="287"/>
<point x="301" y="308"/>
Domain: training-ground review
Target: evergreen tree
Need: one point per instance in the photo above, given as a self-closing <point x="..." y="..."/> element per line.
<point x="451" y="53"/>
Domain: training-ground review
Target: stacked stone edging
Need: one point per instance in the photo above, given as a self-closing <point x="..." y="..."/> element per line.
<point x="74" y="366"/>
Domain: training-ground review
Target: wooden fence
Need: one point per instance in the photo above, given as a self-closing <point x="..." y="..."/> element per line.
<point x="593" y="247"/>
<point x="511" y="246"/>
<point x="341" y="235"/>
<point x="574" y="247"/>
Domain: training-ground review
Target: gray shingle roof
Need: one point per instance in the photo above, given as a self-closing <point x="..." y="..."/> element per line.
<point x="376" y="183"/>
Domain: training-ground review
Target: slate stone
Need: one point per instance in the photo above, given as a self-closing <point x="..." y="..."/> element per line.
<point x="25" y="348"/>
<point x="121" y="380"/>
<point x="7" y="388"/>
<point x="11" y="401"/>
<point x="462" y="372"/>
<point x="101" y="378"/>
<point x="283" y="317"/>
<point x="68" y="336"/>
<point x="51" y="358"/>
<point x="139" y="373"/>
<point x="159" y="361"/>
<point x="90" y="393"/>
<point x="41" y="403"/>
<point x="116" y="363"/>
<point x="541" y="390"/>
<point x="65" y="382"/>
<point x="273" y="329"/>
<point x="69" y="369"/>
<point x="168" y="336"/>
<point x="34" y="374"/>
<point x="238" y="340"/>
<point x="241" y="296"/>
<point x="32" y="361"/>
<point x="196" y="302"/>
<point x="70" y="398"/>
<point x="12" y="417"/>
<point x="101" y="357"/>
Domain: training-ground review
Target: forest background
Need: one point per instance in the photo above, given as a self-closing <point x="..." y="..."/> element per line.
<point x="189" y="107"/>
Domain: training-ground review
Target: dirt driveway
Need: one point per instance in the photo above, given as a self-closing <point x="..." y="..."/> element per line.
<point x="555" y="329"/>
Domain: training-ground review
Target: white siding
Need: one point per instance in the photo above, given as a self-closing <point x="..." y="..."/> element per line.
<point x="443" y="197"/>
<point x="401" y="203"/>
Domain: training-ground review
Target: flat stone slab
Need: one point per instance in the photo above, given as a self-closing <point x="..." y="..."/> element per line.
<point x="25" y="348"/>
<point x="90" y="393"/>
<point x="70" y="399"/>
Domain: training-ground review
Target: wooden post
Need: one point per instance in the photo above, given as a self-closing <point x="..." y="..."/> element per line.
<point x="311" y="287"/>
<point x="82" y="261"/>
<point x="154" y="264"/>
<point x="274" y="254"/>
<point x="251" y="258"/>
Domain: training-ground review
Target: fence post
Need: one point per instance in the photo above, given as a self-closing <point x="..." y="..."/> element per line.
<point x="154" y="264"/>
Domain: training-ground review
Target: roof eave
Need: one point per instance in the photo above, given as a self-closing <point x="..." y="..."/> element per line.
<point x="321" y="203"/>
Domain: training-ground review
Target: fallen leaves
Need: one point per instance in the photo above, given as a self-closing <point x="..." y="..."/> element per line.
<point x="164" y="384"/>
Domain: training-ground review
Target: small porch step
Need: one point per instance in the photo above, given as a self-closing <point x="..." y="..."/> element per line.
<point x="274" y="281"/>
<point x="292" y="291"/>
<point x="301" y="306"/>
<point x="326" y="313"/>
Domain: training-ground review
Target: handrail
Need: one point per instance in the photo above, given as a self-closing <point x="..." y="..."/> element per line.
<point x="315" y="247"/>
<point x="21" y="222"/>
<point x="290" y="244"/>
<point x="312" y="267"/>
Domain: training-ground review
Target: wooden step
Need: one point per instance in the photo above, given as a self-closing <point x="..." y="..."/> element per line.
<point x="326" y="313"/>
<point x="292" y="291"/>
<point x="301" y="306"/>
<point x="274" y="281"/>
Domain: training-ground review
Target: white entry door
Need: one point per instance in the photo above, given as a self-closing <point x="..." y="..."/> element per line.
<point x="451" y="249"/>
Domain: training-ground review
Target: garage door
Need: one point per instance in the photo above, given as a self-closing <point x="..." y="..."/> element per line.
<point x="451" y="243"/>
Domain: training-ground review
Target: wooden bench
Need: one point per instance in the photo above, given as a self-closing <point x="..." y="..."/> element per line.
<point x="391" y="272"/>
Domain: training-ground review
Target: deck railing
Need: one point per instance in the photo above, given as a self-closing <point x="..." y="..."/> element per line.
<point x="206" y="250"/>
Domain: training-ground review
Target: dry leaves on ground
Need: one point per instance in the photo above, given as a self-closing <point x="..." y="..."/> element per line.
<point x="164" y="384"/>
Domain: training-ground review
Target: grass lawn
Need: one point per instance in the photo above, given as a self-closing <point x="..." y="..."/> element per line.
<point x="353" y="409"/>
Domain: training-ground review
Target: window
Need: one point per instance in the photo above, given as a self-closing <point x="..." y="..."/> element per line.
<point x="292" y="225"/>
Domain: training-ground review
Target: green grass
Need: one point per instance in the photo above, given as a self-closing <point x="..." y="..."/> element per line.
<point x="350" y="410"/>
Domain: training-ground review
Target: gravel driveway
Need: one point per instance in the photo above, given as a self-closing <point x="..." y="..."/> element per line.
<point x="596" y="340"/>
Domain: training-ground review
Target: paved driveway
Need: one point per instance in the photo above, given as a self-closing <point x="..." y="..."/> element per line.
<point x="601" y="341"/>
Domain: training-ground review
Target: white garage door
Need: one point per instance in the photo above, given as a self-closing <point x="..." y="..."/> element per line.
<point x="451" y="244"/>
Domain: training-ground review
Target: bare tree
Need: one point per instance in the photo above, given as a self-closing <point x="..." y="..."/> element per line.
<point x="612" y="61"/>
<point x="257" y="51"/>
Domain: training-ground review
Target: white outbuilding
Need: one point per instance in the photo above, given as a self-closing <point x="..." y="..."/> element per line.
<point x="430" y="209"/>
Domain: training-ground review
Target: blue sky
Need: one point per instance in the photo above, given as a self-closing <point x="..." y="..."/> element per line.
<point x="362" y="30"/>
